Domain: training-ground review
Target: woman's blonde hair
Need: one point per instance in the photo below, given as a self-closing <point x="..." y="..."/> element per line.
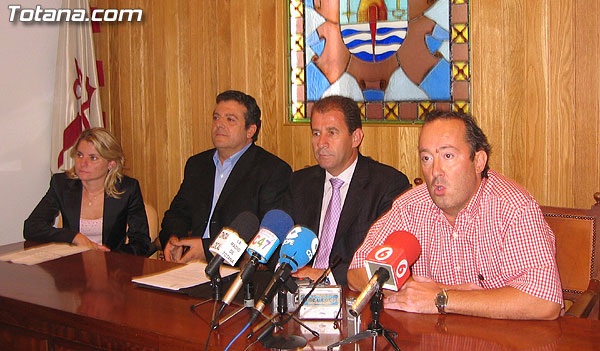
<point x="109" y="148"/>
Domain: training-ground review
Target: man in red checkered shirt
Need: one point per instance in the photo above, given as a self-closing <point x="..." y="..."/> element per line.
<point x="486" y="248"/>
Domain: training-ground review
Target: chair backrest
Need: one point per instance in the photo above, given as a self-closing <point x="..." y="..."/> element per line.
<point x="576" y="232"/>
<point x="152" y="216"/>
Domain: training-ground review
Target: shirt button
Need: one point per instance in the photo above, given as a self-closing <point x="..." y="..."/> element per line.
<point x="457" y="268"/>
<point x="454" y="236"/>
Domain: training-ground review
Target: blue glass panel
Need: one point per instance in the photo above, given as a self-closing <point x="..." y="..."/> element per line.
<point x="440" y="33"/>
<point x="316" y="82"/>
<point x="432" y="43"/>
<point x="373" y="95"/>
<point x="437" y="82"/>
<point x="316" y="44"/>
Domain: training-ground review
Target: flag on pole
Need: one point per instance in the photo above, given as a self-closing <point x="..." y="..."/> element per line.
<point x="76" y="95"/>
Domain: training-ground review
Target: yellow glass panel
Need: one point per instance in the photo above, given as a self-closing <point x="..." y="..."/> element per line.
<point x="460" y="71"/>
<point x="460" y="33"/>
<point x="297" y="42"/>
<point x="461" y="106"/>
<point x="298" y="110"/>
<point x="459" y="1"/>
<point x="298" y="73"/>
<point x="363" y="110"/>
<point x="296" y="8"/>
<point x="424" y="108"/>
<point x="391" y="111"/>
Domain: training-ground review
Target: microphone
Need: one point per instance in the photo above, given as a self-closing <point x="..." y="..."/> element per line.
<point x="297" y="250"/>
<point x="273" y="229"/>
<point x="228" y="246"/>
<point x="388" y="266"/>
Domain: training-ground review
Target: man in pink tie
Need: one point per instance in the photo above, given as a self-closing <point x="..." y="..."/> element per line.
<point x="346" y="192"/>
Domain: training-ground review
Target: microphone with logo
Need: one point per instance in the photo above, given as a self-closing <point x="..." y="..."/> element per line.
<point x="273" y="229"/>
<point x="229" y="247"/>
<point x="388" y="267"/>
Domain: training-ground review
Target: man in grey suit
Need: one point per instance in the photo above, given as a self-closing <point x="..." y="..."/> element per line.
<point x="341" y="197"/>
<point x="220" y="183"/>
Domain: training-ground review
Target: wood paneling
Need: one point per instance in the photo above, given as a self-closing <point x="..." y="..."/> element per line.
<point x="535" y="90"/>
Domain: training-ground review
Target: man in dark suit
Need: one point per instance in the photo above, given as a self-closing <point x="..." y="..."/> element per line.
<point x="366" y="188"/>
<point x="221" y="183"/>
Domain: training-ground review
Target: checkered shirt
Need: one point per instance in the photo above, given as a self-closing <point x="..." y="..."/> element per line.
<point x="499" y="239"/>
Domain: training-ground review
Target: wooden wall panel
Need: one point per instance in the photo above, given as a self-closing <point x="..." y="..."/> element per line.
<point x="487" y="50"/>
<point x="534" y="122"/>
<point x="587" y="96"/>
<point x="535" y="90"/>
<point x="560" y="139"/>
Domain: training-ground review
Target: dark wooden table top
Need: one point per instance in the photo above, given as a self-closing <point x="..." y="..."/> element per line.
<point x="89" y="298"/>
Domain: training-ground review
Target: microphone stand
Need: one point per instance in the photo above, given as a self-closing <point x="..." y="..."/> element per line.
<point x="216" y="283"/>
<point x="248" y="303"/>
<point x="282" y="308"/>
<point x="375" y="328"/>
<point x="282" y="342"/>
<point x="286" y="341"/>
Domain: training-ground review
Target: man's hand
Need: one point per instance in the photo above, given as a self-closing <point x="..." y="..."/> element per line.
<point x="308" y="272"/>
<point x="173" y="250"/>
<point x="418" y="295"/>
<point x="195" y="252"/>
<point x="84" y="241"/>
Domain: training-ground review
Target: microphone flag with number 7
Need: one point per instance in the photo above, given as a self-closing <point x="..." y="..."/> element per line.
<point x="399" y="251"/>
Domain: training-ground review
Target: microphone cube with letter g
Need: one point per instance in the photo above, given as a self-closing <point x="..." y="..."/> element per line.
<point x="391" y="259"/>
<point x="399" y="251"/>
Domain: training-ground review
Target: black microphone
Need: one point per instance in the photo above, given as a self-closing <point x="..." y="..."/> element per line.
<point x="228" y="245"/>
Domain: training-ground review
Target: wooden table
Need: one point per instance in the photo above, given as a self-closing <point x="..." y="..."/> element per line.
<point x="87" y="302"/>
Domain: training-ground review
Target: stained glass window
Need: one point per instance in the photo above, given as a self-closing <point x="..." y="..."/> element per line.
<point x="397" y="58"/>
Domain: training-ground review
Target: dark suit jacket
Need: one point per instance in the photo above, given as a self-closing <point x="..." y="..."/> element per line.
<point x="373" y="188"/>
<point x="258" y="183"/>
<point x="123" y="217"/>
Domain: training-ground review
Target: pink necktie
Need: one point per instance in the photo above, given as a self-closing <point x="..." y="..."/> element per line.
<point x="330" y="223"/>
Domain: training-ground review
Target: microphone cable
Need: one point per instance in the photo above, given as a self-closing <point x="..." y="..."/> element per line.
<point x="212" y="326"/>
<point x="237" y="336"/>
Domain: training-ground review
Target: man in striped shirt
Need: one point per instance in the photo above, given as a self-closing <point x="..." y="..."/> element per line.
<point x="486" y="248"/>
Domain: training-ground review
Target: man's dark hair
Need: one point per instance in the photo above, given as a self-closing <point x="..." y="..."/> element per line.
<point x="474" y="135"/>
<point x="343" y="104"/>
<point x="252" y="115"/>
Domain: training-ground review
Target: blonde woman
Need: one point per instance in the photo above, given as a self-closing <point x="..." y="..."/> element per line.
<point x="100" y="206"/>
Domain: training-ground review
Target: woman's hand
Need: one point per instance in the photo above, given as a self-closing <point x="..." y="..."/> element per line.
<point x="82" y="240"/>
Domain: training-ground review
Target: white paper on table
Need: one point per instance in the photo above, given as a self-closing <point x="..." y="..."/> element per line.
<point x="42" y="253"/>
<point x="186" y="276"/>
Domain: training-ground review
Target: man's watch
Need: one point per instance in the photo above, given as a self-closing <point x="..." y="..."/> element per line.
<point x="441" y="301"/>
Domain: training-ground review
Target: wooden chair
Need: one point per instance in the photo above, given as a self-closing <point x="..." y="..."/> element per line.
<point x="152" y="216"/>
<point x="577" y="251"/>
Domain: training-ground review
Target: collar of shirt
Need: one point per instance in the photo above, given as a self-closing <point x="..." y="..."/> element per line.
<point x="472" y="208"/>
<point x="230" y="162"/>
<point x="346" y="176"/>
